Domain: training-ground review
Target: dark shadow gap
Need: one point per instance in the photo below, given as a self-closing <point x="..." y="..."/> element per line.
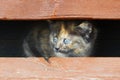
<point x="12" y="34"/>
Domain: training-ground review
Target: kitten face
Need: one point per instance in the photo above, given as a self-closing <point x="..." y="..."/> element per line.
<point x="71" y="39"/>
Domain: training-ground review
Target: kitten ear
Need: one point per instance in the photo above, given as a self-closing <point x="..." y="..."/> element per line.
<point x="86" y="30"/>
<point x="53" y="25"/>
<point x="49" y="21"/>
<point x="86" y="27"/>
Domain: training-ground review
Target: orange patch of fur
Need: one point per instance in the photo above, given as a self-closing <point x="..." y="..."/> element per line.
<point x="63" y="32"/>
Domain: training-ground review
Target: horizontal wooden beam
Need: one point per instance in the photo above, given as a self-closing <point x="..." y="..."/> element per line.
<point x="52" y="9"/>
<point x="60" y="69"/>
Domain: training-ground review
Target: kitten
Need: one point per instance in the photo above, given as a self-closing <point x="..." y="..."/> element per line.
<point x="61" y="39"/>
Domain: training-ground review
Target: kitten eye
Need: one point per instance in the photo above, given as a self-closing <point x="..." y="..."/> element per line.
<point x="66" y="41"/>
<point x="55" y="39"/>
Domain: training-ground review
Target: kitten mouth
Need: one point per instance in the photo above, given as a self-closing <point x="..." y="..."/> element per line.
<point x="63" y="52"/>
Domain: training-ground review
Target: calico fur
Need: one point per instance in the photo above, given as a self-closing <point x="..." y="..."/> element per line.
<point x="61" y="39"/>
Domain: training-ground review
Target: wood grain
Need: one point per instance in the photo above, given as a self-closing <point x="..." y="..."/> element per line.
<point x="55" y="9"/>
<point x="60" y="69"/>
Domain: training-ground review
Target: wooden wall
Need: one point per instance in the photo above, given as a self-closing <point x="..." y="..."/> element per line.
<point x="51" y="9"/>
<point x="59" y="68"/>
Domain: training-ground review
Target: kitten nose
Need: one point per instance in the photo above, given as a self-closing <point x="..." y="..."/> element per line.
<point x="57" y="49"/>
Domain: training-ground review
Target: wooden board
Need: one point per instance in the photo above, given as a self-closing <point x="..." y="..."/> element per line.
<point x="52" y="9"/>
<point x="60" y="69"/>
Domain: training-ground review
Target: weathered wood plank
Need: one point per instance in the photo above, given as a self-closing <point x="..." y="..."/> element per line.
<point x="50" y="9"/>
<point x="60" y="68"/>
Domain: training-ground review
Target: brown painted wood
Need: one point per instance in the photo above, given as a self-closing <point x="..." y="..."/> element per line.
<point x="52" y="9"/>
<point x="60" y="69"/>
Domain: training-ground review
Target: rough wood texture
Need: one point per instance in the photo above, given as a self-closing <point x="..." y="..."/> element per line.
<point x="60" y="69"/>
<point x="50" y="9"/>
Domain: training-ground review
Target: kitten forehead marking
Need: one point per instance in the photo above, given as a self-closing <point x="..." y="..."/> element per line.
<point x="63" y="32"/>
